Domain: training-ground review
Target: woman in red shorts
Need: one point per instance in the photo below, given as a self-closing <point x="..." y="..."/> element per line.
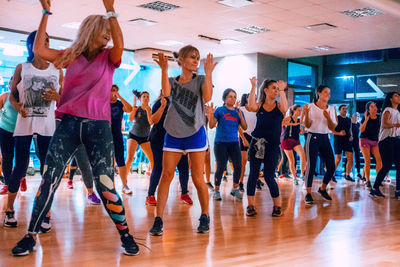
<point x="291" y="140"/>
<point x="369" y="129"/>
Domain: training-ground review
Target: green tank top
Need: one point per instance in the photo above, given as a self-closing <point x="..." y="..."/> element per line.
<point x="8" y="117"/>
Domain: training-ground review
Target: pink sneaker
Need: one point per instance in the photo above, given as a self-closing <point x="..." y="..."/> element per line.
<point x="186" y="199"/>
<point x="151" y="201"/>
<point x="70" y="184"/>
<point x="22" y="185"/>
<point x="4" y="190"/>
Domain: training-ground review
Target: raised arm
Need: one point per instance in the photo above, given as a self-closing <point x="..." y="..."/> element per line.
<point x="148" y="113"/>
<point x="212" y="121"/>
<point x="306" y="114"/>
<point x="207" y="88"/>
<point x="253" y="105"/>
<point x="134" y="109"/>
<point x="364" y="124"/>
<point x="116" y="33"/>
<point x="156" y="116"/>
<point x="126" y="106"/>
<point x="163" y="63"/>
<point x="283" y="104"/>
<point x="39" y="47"/>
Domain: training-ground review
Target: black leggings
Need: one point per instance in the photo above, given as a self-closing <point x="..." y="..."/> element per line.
<point x="389" y="148"/>
<point x="222" y="152"/>
<point x="318" y="143"/>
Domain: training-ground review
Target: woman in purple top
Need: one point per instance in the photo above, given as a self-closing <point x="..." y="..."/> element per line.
<point x="85" y="110"/>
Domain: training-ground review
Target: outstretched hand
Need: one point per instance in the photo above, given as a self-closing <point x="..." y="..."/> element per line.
<point x="282" y="85"/>
<point x="162" y="61"/>
<point x="253" y="81"/>
<point x="209" y="64"/>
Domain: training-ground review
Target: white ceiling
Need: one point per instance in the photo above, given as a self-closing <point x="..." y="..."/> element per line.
<point x="285" y="18"/>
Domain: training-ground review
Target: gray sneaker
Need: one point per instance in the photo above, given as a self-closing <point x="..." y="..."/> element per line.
<point x="236" y="193"/>
<point x="217" y="195"/>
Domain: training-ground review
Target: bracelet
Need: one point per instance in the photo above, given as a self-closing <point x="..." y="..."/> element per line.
<point x="46" y="12"/>
<point x="111" y="14"/>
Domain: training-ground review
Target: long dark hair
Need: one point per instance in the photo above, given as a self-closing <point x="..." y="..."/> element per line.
<point x="369" y="103"/>
<point x="388" y="100"/>
<point x="243" y="100"/>
<point x="139" y="94"/>
<point x="319" y="89"/>
<point x="265" y="84"/>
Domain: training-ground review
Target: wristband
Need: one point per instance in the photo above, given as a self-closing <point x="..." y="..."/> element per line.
<point x="111" y="14"/>
<point x="46" y="12"/>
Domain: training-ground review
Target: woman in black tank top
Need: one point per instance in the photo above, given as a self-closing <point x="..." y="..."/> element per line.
<point x="291" y="141"/>
<point x="264" y="147"/>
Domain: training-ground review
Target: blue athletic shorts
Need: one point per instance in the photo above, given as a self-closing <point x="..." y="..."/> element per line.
<point x="194" y="143"/>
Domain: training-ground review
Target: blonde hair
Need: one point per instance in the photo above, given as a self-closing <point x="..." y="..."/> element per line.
<point x="87" y="32"/>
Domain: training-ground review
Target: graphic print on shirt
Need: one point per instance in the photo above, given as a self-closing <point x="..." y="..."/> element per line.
<point x="35" y="86"/>
<point x="185" y="102"/>
<point x="230" y="117"/>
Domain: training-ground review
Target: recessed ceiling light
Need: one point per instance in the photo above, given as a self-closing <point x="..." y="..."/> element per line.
<point x="362" y="12"/>
<point x="159" y="6"/>
<point x="320" y="27"/>
<point x="229" y="41"/>
<point x="208" y="38"/>
<point x="141" y="22"/>
<point x="252" y="30"/>
<point x="236" y="3"/>
<point x="170" y="43"/>
<point x="72" y="25"/>
<point x="321" y="48"/>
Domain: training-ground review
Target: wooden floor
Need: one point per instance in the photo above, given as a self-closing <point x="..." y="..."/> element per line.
<point x="353" y="230"/>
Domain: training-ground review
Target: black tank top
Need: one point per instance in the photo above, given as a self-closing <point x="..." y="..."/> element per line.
<point x="269" y="125"/>
<point x="292" y="131"/>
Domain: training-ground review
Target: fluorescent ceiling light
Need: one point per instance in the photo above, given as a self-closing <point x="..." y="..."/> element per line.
<point x="388" y="85"/>
<point x="362" y="12"/>
<point x="170" y="43"/>
<point x="321" y="48"/>
<point x="72" y="25"/>
<point x="229" y="41"/>
<point x="320" y="27"/>
<point x="236" y="3"/>
<point x="208" y="38"/>
<point x="141" y="22"/>
<point x="159" y="6"/>
<point x="252" y="30"/>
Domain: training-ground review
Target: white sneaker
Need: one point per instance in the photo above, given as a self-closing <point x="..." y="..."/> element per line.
<point x="126" y="190"/>
<point x="45" y="226"/>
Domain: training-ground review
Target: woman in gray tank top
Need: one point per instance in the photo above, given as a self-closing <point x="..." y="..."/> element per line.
<point x="139" y="132"/>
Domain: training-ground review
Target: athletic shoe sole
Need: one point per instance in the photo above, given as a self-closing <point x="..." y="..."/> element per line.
<point x="25" y="253"/>
<point x="156" y="234"/>
<point x="203" y="231"/>
<point x="10" y="225"/>
<point x="129" y="253"/>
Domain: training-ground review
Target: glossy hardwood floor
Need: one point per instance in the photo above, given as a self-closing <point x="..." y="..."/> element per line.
<point x="352" y="230"/>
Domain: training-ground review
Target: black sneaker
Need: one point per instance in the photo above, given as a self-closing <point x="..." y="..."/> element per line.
<point x="9" y="220"/>
<point x="359" y="176"/>
<point x="364" y="179"/>
<point x="397" y="194"/>
<point x="348" y="178"/>
<point x="334" y="179"/>
<point x="324" y="194"/>
<point x="45" y="226"/>
<point x="224" y="179"/>
<point x="309" y="199"/>
<point x="129" y="245"/>
<point x="157" y="229"/>
<point x="368" y="185"/>
<point x="241" y="187"/>
<point x="276" y="212"/>
<point x="376" y="193"/>
<point x="204" y="226"/>
<point x="251" y="211"/>
<point x="261" y="182"/>
<point x="210" y="186"/>
<point x="25" y="246"/>
<point x="258" y="185"/>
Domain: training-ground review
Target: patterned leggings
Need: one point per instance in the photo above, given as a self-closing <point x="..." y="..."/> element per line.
<point x="96" y="137"/>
